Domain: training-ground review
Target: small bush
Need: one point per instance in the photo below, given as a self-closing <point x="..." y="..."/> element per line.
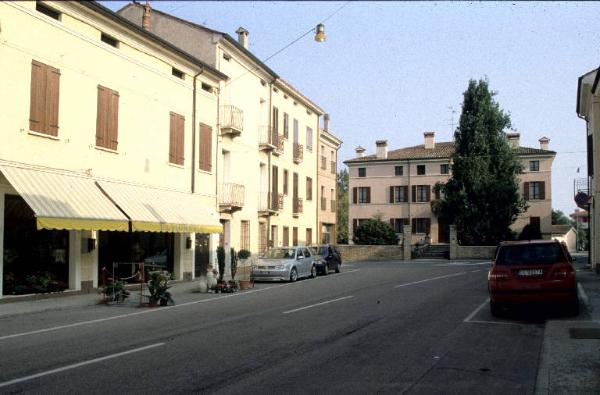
<point x="375" y="232"/>
<point x="244" y="254"/>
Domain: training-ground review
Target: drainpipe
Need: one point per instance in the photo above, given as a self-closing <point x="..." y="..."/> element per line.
<point x="409" y="200"/>
<point x="269" y="170"/>
<point x="316" y="183"/>
<point x="194" y="132"/>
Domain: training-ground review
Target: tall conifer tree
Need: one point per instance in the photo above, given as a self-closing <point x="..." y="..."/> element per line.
<point x="482" y="196"/>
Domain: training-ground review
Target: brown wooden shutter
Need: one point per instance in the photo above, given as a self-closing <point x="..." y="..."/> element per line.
<point x="427" y="225"/>
<point x="275" y="120"/>
<point x="354" y="225"/>
<point x="113" y="118"/>
<point x="414" y="193"/>
<point x="101" y="117"/>
<point x="285" y="182"/>
<point x="414" y="225"/>
<point x="355" y="195"/>
<point x="205" y="147"/>
<point x="542" y="190"/>
<point x="180" y="139"/>
<point x="52" y="93"/>
<point x="391" y="194"/>
<point x="368" y="194"/>
<point x="428" y="194"/>
<point x="526" y="191"/>
<point x="172" y="139"/>
<point x="38" y="95"/>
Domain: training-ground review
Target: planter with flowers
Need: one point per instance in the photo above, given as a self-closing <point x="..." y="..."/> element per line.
<point x="158" y="286"/>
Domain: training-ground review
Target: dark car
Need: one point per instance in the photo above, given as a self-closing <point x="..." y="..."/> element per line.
<point x="532" y="271"/>
<point x="327" y="258"/>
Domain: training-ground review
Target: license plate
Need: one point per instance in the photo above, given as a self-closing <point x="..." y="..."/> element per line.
<point x="530" y="273"/>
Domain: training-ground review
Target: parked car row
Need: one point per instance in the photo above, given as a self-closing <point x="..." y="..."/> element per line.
<point x="292" y="263"/>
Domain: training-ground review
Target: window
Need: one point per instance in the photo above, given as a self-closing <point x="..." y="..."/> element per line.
<point x="107" y="118"/>
<point x="179" y="74"/>
<point x="534" y="165"/>
<point x="309" y="139"/>
<point x="43" y="110"/>
<point x="296" y="131"/>
<point x="286" y="236"/>
<point x="176" y="139"/>
<point x="399" y="194"/>
<point x="286" y="125"/>
<point x="205" y="147"/>
<point x="295" y="235"/>
<point x="207" y="88"/>
<point x="245" y="235"/>
<point x="356" y="222"/>
<point x="362" y="171"/>
<point x="285" y="181"/>
<point x="444" y="169"/>
<point x="534" y="190"/>
<point x="420" y="170"/>
<point x="421" y="193"/>
<point x="308" y="236"/>
<point x="361" y="195"/>
<point x="421" y="225"/>
<point x="308" y="188"/>
<point x="113" y="42"/>
<point x="398" y="224"/>
<point x="44" y="9"/>
<point x="399" y="170"/>
<point x="275" y="125"/>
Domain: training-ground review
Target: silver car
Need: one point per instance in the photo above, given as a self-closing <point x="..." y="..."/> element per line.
<point x="285" y="264"/>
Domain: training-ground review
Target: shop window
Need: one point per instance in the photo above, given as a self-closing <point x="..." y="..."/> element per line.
<point x="420" y="170"/>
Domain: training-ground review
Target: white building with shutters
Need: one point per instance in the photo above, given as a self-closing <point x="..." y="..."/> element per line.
<point x="109" y="149"/>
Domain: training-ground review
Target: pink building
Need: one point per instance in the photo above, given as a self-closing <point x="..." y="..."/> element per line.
<point x="398" y="186"/>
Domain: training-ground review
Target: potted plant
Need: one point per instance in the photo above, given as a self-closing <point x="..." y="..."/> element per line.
<point x="221" y="261"/>
<point x="158" y="287"/>
<point x="245" y="269"/>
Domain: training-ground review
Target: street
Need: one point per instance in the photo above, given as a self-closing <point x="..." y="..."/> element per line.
<point x="391" y="327"/>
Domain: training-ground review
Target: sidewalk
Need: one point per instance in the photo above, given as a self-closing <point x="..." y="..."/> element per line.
<point x="570" y="357"/>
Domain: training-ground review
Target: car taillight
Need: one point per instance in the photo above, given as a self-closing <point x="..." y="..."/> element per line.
<point x="563" y="272"/>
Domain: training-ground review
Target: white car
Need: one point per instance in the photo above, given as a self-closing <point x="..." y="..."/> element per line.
<point x="284" y="264"/>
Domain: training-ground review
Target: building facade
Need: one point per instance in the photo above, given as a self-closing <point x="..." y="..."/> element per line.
<point x="327" y="177"/>
<point x="109" y="149"/>
<point x="588" y="108"/>
<point x="268" y="141"/>
<point x="398" y="186"/>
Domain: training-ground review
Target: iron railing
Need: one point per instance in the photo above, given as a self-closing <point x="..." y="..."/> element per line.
<point x="232" y="118"/>
<point x="298" y="206"/>
<point x="232" y="194"/>
<point x="298" y="152"/>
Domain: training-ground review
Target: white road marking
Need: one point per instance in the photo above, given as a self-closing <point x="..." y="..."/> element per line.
<point x="463" y="263"/>
<point x="475" y="271"/>
<point x="582" y="295"/>
<point x="317" y="304"/>
<point x="470" y="316"/>
<point x="430" y="279"/>
<point x="150" y="311"/>
<point x="76" y="365"/>
<point x="494" y="322"/>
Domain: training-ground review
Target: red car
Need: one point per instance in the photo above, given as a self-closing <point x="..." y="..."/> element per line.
<point x="532" y="271"/>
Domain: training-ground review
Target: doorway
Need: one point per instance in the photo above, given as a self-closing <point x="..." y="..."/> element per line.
<point x="202" y="254"/>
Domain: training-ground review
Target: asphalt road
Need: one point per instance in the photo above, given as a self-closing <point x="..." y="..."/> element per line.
<point x="389" y="327"/>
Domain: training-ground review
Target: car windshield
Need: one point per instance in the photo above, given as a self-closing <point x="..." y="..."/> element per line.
<point x="279" y="253"/>
<point x="526" y="254"/>
<point x="318" y="250"/>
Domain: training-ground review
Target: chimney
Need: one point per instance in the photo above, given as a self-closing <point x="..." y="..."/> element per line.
<point x="326" y="122"/>
<point x="242" y="36"/>
<point x="429" y="140"/>
<point x="360" y="151"/>
<point x="381" y="149"/>
<point x="513" y="139"/>
<point x="544" y="143"/>
<point x="146" y="17"/>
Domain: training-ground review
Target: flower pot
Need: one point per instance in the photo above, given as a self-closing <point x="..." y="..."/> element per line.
<point x="245" y="284"/>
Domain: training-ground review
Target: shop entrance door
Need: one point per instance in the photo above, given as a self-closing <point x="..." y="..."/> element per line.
<point x="201" y="254"/>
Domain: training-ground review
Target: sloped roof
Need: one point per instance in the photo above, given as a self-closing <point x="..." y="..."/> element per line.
<point x="441" y="150"/>
<point x="561" y="229"/>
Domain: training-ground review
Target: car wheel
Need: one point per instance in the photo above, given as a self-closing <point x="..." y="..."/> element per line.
<point x="495" y="308"/>
<point x="293" y="275"/>
<point x="326" y="269"/>
<point x="313" y="271"/>
<point x="337" y="267"/>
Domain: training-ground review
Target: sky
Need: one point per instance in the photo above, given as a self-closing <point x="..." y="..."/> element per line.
<point x="393" y="70"/>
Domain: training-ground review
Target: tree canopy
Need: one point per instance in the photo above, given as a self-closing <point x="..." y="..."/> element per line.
<point x="375" y="232"/>
<point x="482" y="195"/>
<point x="342" y="207"/>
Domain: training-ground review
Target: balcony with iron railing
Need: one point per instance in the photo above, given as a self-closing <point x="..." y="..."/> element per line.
<point x="268" y="203"/>
<point x="232" y="120"/>
<point x="269" y="140"/>
<point x="298" y="206"/>
<point x="333" y="205"/>
<point x="231" y="197"/>
<point x="323" y="203"/>
<point x="333" y="167"/>
<point x="298" y="153"/>
<point x="323" y="163"/>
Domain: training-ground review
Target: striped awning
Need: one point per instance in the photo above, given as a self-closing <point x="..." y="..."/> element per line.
<point x="65" y="201"/>
<point x="157" y="210"/>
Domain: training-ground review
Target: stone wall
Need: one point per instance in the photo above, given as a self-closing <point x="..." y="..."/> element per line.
<point x="475" y="252"/>
<point x="369" y="253"/>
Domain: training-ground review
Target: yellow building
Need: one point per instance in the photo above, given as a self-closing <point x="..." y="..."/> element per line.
<point x="399" y="186"/>
<point x="327" y="176"/>
<point x="588" y="108"/>
<point x="108" y="154"/>
<point x="268" y="140"/>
